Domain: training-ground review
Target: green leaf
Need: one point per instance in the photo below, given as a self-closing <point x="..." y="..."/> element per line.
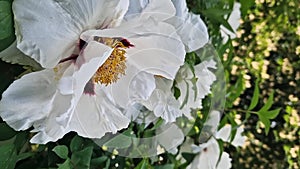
<point x="62" y="151"/>
<point x="266" y="122"/>
<point x="6" y="132"/>
<point x="24" y="156"/>
<point x="188" y="157"/>
<point x="6" y="20"/>
<point x="144" y="164"/>
<point x="268" y="104"/>
<point x="76" y="143"/>
<point x="21" y="140"/>
<point x="167" y="166"/>
<point x="255" y="97"/>
<point x="98" y="161"/>
<point x="5" y="43"/>
<point x="120" y="141"/>
<point x="81" y="159"/>
<point x="65" y="165"/>
<point x="272" y="114"/>
<point x="8" y="157"/>
<point x="217" y="15"/>
<point x="246" y="5"/>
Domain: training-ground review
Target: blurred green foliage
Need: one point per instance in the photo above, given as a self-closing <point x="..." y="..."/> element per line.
<point x="262" y="68"/>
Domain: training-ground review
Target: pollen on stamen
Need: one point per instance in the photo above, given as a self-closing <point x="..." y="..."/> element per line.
<point x="114" y="67"/>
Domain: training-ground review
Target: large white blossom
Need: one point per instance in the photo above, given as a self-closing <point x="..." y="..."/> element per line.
<point x="76" y="41"/>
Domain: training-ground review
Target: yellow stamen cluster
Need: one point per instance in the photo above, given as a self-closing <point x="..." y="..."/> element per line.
<point x="114" y="66"/>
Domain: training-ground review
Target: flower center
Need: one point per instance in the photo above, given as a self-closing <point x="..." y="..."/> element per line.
<point x="115" y="65"/>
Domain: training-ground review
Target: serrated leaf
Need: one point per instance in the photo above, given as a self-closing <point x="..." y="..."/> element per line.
<point x="268" y="104"/>
<point x="6" y="20"/>
<point x="255" y="97"/>
<point x="62" y="151"/>
<point x="120" y="141"/>
<point x="81" y="159"/>
<point x="272" y="114"/>
<point x="14" y="56"/>
<point x="8" y="157"/>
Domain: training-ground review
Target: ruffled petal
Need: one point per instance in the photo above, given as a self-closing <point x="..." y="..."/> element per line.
<point x="225" y="161"/>
<point x="28" y="99"/>
<point x="69" y="91"/>
<point x="205" y="77"/>
<point x="189" y="26"/>
<point x="157" y="47"/>
<point x="134" y="86"/>
<point x="162" y="101"/>
<point x="96" y="115"/>
<point x="49" y="30"/>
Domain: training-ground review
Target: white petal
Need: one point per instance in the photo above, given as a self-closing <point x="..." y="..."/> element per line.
<point x="208" y="157"/>
<point x="225" y="134"/>
<point x="136" y="7"/>
<point x="89" y="60"/>
<point x="162" y="101"/>
<point x="49" y="30"/>
<point x="28" y="99"/>
<point x="13" y="55"/>
<point x="96" y="115"/>
<point x="57" y="124"/>
<point x="205" y="77"/>
<point x="225" y="161"/>
<point x="157" y="47"/>
<point x="170" y="137"/>
<point x="157" y="55"/>
<point x="239" y="140"/>
<point x="234" y="22"/>
<point x="48" y="128"/>
<point x="189" y="26"/>
<point x="158" y="9"/>
<point x="133" y="87"/>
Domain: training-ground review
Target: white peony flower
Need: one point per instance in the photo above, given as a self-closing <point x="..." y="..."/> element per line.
<point x="208" y="157"/>
<point x="86" y="89"/>
<point x="194" y="35"/>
